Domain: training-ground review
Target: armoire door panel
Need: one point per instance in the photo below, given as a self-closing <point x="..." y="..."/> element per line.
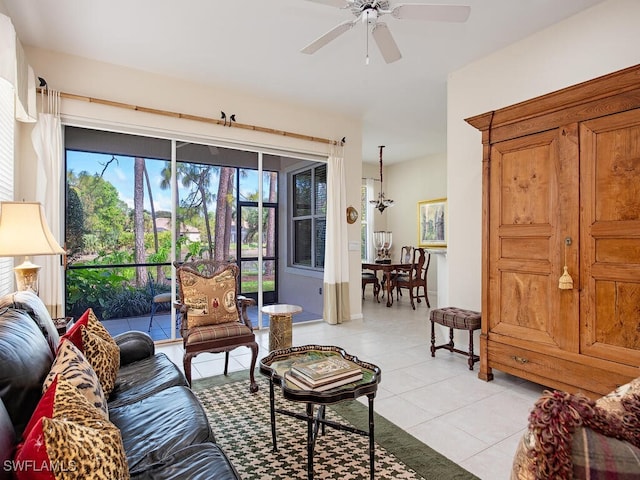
<point x="525" y="247"/>
<point x="622" y="251"/>
<point x="525" y="184"/>
<point x="527" y="237"/>
<point x="610" y="237"/>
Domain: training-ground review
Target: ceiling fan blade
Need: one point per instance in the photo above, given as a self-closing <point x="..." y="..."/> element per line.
<point x="387" y="45"/>
<point x="333" y="3"/>
<point x="432" y="13"/>
<point x="332" y="34"/>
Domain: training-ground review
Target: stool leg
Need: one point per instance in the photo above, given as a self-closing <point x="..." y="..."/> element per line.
<point x="470" y="349"/>
<point x="433" y="339"/>
<point x="451" y="345"/>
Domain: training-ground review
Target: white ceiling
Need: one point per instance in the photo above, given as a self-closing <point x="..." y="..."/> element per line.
<point x="255" y="45"/>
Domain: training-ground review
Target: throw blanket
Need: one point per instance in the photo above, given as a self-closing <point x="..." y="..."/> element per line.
<point x="556" y="416"/>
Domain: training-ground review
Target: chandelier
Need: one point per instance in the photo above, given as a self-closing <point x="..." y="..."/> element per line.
<point x="381" y="203"/>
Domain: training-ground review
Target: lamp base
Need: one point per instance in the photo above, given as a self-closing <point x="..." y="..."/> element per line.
<point x="27" y="276"/>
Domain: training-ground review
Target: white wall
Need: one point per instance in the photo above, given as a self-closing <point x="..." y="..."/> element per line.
<point x="595" y="42"/>
<point x="408" y="183"/>
<point x="94" y="79"/>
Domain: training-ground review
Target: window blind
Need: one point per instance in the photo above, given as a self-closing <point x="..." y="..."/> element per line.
<point x="7" y="121"/>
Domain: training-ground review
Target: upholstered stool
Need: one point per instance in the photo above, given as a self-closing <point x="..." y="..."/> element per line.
<point x="459" y="319"/>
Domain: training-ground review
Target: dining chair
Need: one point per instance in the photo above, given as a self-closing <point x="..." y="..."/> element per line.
<point x="371" y="278"/>
<point x="413" y="277"/>
<point x="406" y="255"/>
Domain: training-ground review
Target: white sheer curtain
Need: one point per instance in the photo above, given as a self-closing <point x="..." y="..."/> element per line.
<point x="47" y="143"/>
<point x="336" y="254"/>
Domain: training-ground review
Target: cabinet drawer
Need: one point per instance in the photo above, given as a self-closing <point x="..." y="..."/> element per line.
<point x="577" y="375"/>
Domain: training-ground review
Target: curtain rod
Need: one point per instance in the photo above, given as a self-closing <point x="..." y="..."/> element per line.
<point x="196" y="118"/>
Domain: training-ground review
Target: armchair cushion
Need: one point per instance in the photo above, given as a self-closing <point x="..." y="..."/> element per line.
<point x="209" y="300"/>
<point x="216" y="332"/>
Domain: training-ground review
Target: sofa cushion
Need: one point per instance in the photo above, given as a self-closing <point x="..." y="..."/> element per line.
<point x="71" y="364"/>
<point x="25" y="360"/>
<point x="72" y="451"/>
<point x="143" y="378"/>
<point x="196" y="462"/>
<point x="209" y="300"/>
<point x="159" y="425"/>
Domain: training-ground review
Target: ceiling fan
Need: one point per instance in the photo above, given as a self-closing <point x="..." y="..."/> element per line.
<point x="369" y="13"/>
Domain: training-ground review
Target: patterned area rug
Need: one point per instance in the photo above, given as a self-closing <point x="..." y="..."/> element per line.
<point x="240" y="422"/>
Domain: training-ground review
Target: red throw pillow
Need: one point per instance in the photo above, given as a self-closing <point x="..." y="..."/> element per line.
<point x="74" y="334"/>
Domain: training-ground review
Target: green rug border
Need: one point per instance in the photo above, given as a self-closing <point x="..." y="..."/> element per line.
<point x="424" y="460"/>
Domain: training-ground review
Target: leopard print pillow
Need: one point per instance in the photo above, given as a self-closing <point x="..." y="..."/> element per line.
<point x="63" y="401"/>
<point x="71" y="365"/>
<point x="74" y="451"/>
<point x="94" y="325"/>
<point x="103" y="356"/>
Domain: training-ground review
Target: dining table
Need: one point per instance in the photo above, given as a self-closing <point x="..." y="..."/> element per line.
<point x="387" y="269"/>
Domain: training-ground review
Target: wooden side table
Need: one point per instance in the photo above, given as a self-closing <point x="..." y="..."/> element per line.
<point x="61" y="324"/>
<point x="280" y="324"/>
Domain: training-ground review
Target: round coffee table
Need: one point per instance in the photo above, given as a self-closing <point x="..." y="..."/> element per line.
<point x="278" y="363"/>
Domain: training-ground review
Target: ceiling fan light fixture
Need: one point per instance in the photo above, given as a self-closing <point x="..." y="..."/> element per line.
<point x="370" y="11"/>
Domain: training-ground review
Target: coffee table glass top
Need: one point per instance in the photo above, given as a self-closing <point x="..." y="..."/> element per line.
<point x="278" y="362"/>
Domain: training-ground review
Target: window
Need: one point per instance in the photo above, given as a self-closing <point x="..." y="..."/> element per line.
<point x="364" y="217"/>
<point x="308" y="216"/>
<point x="6" y="169"/>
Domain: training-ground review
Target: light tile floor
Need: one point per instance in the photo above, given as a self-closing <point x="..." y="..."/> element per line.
<point x="438" y="400"/>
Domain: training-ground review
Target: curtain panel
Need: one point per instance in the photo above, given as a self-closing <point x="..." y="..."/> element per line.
<point x="46" y="138"/>
<point x="336" y="255"/>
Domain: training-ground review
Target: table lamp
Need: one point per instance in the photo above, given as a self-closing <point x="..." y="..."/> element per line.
<point x="24" y="231"/>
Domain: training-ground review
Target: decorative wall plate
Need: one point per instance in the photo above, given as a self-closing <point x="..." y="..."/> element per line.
<point x="352" y="215"/>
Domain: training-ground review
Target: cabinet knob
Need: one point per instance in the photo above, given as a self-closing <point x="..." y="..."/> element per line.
<point x="519" y="359"/>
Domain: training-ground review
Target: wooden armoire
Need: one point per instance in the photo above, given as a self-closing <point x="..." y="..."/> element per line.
<point x="561" y="187"/>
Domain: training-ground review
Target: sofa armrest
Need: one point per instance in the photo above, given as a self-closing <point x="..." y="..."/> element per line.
<point x="134" y="346"/>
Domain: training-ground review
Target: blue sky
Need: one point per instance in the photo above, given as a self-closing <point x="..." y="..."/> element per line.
<point x="120" y="174"/>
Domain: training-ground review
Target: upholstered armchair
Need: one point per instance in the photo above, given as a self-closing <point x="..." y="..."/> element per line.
<point x="214" y="317"/>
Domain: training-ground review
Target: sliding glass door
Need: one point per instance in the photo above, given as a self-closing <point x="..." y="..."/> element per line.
<point x="135" y="204"/>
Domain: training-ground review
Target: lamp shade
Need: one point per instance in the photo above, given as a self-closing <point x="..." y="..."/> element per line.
<point x="24" y="231"/>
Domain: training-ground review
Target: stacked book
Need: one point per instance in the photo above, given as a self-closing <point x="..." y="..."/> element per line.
<point x="324" y="374"/>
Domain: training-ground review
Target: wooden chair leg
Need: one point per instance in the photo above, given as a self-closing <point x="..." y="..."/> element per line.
<point x="226" y="362"/>
<point x="253" y="386"/>
<point x="433" y="339"/>
<point x="186" y="363"/>
<point x="470" y="349"/>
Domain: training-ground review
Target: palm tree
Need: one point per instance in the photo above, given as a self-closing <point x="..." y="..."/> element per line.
<point x="223" y="214"/>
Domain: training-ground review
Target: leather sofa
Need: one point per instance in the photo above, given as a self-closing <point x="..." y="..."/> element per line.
<point x="164" y="429"/>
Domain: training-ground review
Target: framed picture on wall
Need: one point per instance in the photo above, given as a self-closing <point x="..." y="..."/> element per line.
<point x="432" y="223"/>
